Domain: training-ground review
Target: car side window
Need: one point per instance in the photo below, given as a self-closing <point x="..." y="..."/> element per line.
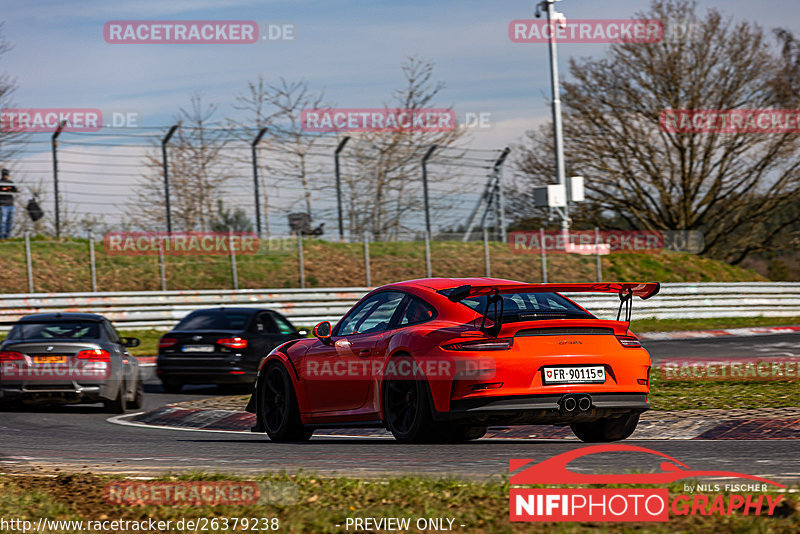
<point x="113" y="336"/>
<point x="373" y="315"/>
<point x="265" y="324"/>
<point x="283" y="325"/>
<point x="416" y="311"/>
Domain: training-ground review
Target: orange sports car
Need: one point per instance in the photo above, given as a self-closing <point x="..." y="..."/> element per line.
<point x="441" y="359"/>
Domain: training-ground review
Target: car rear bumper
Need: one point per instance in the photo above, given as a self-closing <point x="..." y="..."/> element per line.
<point x="207" y="375"/>
<point x="57" y="392"/>
<point x="543" y="409"/>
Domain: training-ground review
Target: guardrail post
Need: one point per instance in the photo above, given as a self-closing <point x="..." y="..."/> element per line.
<point x="486" y="252"/>
<point x="367" y="273"/>
<point x="544" y="255"/>
<point x="428" y="270"/>
<point x="597" y="250"/>
<point x="28" y="262"/>
<point x="161" y="267"/>
<point x="234" y="271"/>
<point x="300" y="260"/>
<point x="92" y="266"/>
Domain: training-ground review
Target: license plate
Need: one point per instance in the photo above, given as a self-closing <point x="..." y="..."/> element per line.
<point x="584" y="374"/>
<point x="198" y="348"/>
<point x="49" y="359"/>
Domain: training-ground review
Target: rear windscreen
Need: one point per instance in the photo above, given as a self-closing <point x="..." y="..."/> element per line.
<point x="215" y="320"/>
<point x="529" y="305"/>
<point x="55" y="330"/>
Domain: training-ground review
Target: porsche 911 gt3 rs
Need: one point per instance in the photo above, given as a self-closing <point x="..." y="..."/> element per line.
<point x="441" y="359"/>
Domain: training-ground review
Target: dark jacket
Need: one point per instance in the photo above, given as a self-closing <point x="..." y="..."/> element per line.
<point x="7" y="192"/>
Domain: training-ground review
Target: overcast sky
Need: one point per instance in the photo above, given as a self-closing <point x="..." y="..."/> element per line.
<point x="352" y="49"/>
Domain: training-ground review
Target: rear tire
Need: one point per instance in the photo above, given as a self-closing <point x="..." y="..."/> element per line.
<point x="138" y="396"/>
<point x="606" y="429"/>
<point x="119" y="405"/>
<point x="171" y="386"/>
<point x="279" y="413"/>
<point x="407" y="410"/>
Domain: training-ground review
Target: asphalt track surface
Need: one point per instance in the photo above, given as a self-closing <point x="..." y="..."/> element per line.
<point x="80" y="438"/>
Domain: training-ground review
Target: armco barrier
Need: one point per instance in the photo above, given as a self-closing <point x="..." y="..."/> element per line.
<point x="162" y="309"/>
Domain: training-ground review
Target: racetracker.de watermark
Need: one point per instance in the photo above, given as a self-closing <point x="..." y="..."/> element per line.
<point x="180" y="243"/>
<point x="31" y="368"/>
<point x="196" y="32"/>
<point x="735" y="121"/>
<point x="730" y="369"/>
<point x="69" y="119"/>
<point x="586" y="31"/>
<point x="344" y="368"/>
<point x="199" y="493"/>
<point x="588" y="242"/>
<point x="377" y="120"/>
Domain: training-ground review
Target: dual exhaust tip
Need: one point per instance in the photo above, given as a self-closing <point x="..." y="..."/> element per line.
<point x="573" y="403"/>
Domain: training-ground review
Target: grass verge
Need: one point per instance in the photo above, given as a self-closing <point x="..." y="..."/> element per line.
<point x="309" y="503"/>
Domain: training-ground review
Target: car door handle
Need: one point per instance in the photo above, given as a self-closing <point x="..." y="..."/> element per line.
<point x="364" y="352"/>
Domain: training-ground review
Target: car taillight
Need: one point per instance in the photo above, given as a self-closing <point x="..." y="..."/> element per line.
<point x="233" y="342"/>
<point x="94" y="355"/>
<point x="482" y="344"/>
<point x="629" y="341"/>
<point x="165" y="342"/>
<point x="10" y="355"/>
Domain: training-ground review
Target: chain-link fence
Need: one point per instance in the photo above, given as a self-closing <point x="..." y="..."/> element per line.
<point x="39" y="264"/>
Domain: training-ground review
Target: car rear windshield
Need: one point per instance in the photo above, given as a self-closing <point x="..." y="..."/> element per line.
<point x="65" y="330"/>
<point x="215" y="320"/>
<point x="529" y="306"/>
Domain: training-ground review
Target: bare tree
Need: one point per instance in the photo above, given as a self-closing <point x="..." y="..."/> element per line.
<point x="12" y="141"/>
<point x="197" y="172"/>
<point x="256" y="106"/>
<point x="722" y="184"/>
<point x="383" y="191"/>
<point x="297" y="163"/>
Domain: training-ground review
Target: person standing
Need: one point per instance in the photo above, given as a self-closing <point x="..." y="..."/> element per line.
<point x="8" y="191"/>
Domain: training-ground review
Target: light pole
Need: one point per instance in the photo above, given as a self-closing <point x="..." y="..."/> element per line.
<point x="166" y="175"/>
<point x="254" y="147"/>
<point x="425" y="158"/>
<point x="339" y="186"/>
<point x="54" y="146"/>
<point x="558" y="133"/>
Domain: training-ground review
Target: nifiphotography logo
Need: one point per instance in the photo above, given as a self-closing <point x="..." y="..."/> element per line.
<point x="629" y="504"/>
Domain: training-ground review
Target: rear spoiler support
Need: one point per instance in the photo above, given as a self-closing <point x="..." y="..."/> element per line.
<point x="626" y="300"/>
<point x="496" y="300"/>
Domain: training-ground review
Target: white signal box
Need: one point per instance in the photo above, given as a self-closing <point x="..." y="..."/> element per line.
<point x="576" y="189"/>
<point x="553" y="196"/>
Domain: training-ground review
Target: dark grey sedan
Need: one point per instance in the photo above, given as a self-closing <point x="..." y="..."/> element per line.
<point x="69" y="358"/>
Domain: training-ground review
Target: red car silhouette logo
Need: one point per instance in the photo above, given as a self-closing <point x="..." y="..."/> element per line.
<point x="554" y="470"/>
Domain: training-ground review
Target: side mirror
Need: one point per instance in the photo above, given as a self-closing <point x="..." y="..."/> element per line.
<point x="131" y="342"/>
<point x="323" y="331"/>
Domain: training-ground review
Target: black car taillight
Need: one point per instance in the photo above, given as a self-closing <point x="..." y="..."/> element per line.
<point x="482" y="344"/>
<point x="233" y="342"/>
<point x="629" y="341"/>
<point x="165" y="342"/>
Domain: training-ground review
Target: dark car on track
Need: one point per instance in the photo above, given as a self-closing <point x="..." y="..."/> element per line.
<point x="222" y="346"/>
<point x="69" y="358"/>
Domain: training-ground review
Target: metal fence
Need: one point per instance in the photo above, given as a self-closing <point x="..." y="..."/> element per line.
<point x="162" y="309"/>
<point x="43" y="265"/>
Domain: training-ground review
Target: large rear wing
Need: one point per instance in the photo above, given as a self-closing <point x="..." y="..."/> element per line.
<point x="643" y="290"/>
<point x="625" y="290"/>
